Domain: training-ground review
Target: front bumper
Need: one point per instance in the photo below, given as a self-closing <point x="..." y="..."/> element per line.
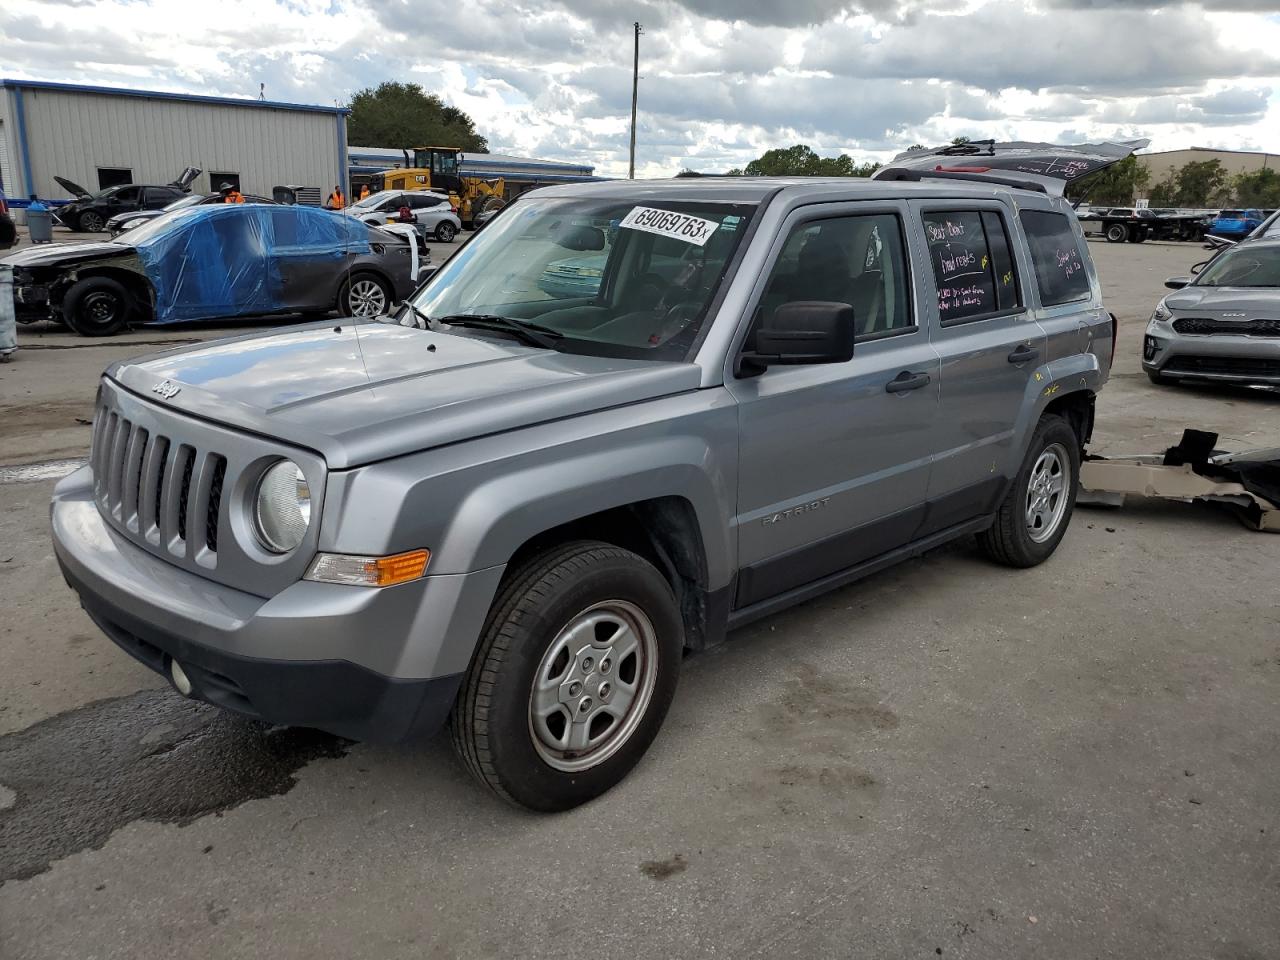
<point x="1216" y="357"/>
<point x="332" y="657"/>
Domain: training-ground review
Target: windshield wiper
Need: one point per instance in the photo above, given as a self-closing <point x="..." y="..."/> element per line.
<point x="532" y="333"/>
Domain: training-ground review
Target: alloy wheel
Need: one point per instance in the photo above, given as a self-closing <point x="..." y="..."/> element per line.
<point x="593" y="685"/>
<point x="1047" y="492"/>
<point x="367" y="299"/>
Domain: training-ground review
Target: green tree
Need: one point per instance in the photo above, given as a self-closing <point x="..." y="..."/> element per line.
<point x="1165" y="193"/>
<point x="801" y="161"/>
<point x="1117" y="184"/>
<point x="959" y="141"/>
<point x="1200" y="183"/>
<point x="1261" y="188"/>
<point x="403" y="115"/>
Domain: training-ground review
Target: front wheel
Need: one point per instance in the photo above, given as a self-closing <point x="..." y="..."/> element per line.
<point x="96" y="307"/>
<point x="364" y="295"/>
<point x="1033" y="518"/>
<point x="576" y="668"/>
<point x="91" y="222"/>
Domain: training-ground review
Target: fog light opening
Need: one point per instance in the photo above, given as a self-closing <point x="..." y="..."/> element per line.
<point x="181" y="682"/>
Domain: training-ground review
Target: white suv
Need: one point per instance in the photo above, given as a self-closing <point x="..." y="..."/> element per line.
<point x="434" y="215"/>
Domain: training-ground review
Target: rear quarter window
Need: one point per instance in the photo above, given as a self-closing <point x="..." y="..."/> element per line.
<point x="1055" y="253"/>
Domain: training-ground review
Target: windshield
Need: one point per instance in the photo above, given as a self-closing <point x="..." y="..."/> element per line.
<point x="612" y="277"/>
<point x="184" y="202"/>
<point x="152" y="228"/>
<point x="1244" y="267"/>
<point x="372" y="200"/>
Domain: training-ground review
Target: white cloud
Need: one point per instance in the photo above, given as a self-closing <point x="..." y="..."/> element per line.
<point x="722" y="80"/>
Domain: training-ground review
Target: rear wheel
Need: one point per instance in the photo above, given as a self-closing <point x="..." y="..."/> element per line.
<point x="1138" y="235"/>
<point x="573" y="676"/>
<point x="446" y="231"/>
<point x="1117" y="233"/>
<point x="364" y="295"/>
<point x="1033" y="518"/>
<point x="96" y="307"/>
<point x="91" y="222"/>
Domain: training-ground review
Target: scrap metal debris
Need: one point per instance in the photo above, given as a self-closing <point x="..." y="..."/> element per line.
<point x="1248" y="482"/>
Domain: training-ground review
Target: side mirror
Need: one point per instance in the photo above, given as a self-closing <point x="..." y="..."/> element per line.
<point x="803" y="332"/>
<point x="1177" y="283"/>
<point x="582" y="238"/>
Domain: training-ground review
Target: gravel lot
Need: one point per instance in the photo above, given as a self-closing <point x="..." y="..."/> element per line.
<point x="949" y="759"/>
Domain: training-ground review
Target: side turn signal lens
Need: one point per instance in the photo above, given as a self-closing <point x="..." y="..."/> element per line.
<point x="368" y="571"/>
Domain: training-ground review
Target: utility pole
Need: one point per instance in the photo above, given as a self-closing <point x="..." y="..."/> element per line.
<point x="635" y="89"/>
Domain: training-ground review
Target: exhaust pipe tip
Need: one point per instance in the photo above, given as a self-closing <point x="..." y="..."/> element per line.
<point x="181" y="682"/>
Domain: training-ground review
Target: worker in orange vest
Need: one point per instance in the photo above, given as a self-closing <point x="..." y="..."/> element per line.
<point x="364" y="191"/>
<point x="336" y="200"/>
<point x="230" y="194"/>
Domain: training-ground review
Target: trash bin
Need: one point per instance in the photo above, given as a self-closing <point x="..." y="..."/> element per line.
<point x="40" y="225"/>
<point x="8" y="321"/>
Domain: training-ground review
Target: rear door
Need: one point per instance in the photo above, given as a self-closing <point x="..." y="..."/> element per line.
<point x="834" y="458"/>
<point x="989" y="345"/>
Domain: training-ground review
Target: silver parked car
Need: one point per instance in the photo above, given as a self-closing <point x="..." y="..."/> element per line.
<point x="1223" y="324"/>
<point x="517" y="511"/>
<point x="433" y="214"/>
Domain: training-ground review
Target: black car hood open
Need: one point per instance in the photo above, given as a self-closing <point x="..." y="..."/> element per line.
<point x="357" y="393"/>
<point x="1050" y="165"/>
<point x="73" y="188"/>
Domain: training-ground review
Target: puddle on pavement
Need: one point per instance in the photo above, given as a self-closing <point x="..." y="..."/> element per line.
<point x="32" y="472"/>
<point x="80" y="776"/>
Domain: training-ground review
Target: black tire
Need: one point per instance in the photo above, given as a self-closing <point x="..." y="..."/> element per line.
<point x="97" y="307"/>
<point x="1009" y="540"/>
<point x="492" y="725"/>
<point x="352" y="298"/>
<point x="1117" y="233"/>
<point x="91" y="222"/>
<point x="446" y="231"/>
<point x="8" y="233"/>
<point x="1138" y="235"/>
<point x="1159" y="379"/>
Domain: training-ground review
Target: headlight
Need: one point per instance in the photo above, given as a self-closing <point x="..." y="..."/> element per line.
<point x="1161" y="313"/>
<point x="282" y="512"/>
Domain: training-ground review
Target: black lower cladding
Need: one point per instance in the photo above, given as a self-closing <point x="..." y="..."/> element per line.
<point x="332" y="695"/>
<point x="850" y="548"/>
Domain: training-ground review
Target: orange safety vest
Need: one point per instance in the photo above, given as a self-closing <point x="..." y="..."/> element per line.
<point x="364" y="192"/>
<point x="235" y="196"/>
<point x="339" y="201"/>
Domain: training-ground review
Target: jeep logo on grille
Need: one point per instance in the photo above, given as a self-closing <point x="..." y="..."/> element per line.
<point x="167" y="389"/>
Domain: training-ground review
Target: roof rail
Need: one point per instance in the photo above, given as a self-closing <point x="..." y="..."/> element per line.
<point x="958" y="173"/>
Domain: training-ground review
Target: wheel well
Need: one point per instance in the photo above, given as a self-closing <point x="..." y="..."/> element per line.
<point x="1077" y="409"/>
<point x="138" y="287"/>
<point x="664" y="531"/>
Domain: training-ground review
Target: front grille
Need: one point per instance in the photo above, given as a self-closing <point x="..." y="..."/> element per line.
<point x="1234" y="366"/>
<point x="166" y="493"/>
<point x="1205" y="326"/>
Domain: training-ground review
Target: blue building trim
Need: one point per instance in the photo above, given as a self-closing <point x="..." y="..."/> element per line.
<point x="19" y="85"/>
<point x="24" y="152"/>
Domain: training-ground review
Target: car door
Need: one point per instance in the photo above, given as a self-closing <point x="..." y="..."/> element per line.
<point x="301" y="259"/>
<point x="156" y="198"/>
<point x="989" y="345"/>
<point x="428" y="210"/>
<point x="124" y="200"/>
<point x="834" y="458"/>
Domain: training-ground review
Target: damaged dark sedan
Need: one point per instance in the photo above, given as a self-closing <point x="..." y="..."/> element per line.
<point x="220" y="261"/>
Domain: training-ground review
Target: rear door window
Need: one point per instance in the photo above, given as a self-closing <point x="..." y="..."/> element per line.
<point x="972" y="264"/>
<point x="1055" y="251"/>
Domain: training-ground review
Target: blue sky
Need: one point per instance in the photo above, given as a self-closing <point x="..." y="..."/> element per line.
<point x="723" y="80"/>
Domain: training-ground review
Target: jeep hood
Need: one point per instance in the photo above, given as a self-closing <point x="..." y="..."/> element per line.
<point x="357" y="393"/>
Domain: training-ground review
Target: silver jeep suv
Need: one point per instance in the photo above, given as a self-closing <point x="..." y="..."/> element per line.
<point x="516" y="512"/>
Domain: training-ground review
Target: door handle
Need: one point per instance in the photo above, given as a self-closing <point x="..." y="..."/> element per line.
<point x="905" y="381"/>
<point x="1023" y="353"/>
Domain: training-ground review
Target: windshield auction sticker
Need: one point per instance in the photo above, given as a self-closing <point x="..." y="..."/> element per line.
<point x="677" y="226"/>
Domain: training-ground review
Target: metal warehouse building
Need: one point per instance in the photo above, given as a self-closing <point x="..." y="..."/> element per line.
<point x="101" y="136"/>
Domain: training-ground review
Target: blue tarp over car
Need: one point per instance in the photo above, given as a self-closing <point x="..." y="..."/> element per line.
<point x="227" y="260"/>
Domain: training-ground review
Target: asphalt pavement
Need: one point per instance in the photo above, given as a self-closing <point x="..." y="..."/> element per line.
<point x="948" y="759"/>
